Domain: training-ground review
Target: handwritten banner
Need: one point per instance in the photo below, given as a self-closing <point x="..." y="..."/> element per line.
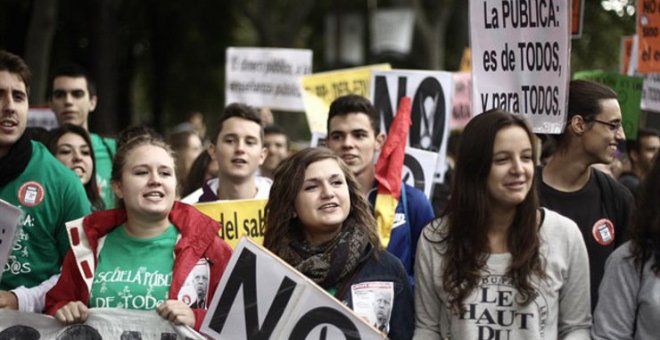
<point x="321" y="89"/>
<point x="266" y="77"/>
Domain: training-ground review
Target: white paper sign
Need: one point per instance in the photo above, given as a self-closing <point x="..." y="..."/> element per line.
<point x="42" y="116"/>
<point x="431" y="94"/>
<point x="318" y="139"/>
<point x="372" y="301"/>
<point x="344" y="39"/>
<point x="419" y="168"/>
<point x="392" y="30"/>
<point x="266" y="77"/>
<point x="651" y="92"/>
<point x="260" y="296"/>
<point x="521" y="59"/>
<point x="102" y="323"/>
<point x="10" y="216"/>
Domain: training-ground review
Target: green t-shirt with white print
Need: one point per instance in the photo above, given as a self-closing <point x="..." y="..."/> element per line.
<point x="133" y="273"/>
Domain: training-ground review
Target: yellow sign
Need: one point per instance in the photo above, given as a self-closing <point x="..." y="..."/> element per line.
<point x="238" y="218"/>
<point x="320" y="89"/>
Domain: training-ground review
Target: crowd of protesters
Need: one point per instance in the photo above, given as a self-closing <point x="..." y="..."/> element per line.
<point x="519" y="249"/>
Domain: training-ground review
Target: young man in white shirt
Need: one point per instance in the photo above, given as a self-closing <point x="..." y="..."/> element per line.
<point x="238" y="148"/>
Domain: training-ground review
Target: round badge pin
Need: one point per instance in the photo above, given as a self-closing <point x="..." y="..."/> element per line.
<point x="603" y="232"/>
<point x="31" y="193"/>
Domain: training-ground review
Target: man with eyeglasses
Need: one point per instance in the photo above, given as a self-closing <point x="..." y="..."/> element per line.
<point x="569" y="185"/>
<point x="72" y="97"/>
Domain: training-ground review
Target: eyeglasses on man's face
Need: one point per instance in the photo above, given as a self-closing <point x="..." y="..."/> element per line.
<point x="613" y="126"/>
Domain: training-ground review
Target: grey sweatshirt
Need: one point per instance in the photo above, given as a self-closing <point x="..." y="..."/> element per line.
<point x="561" y="309"/>
<point x="622" y="291"/>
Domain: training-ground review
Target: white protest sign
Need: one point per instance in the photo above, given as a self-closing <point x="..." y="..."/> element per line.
<point x="419" y="167"/>
<point x="344" y="38"/>
<point x="42" y="116"/>
<point x="266" y="77"/>
<point x="318" y="139"/>
<point x="461" y="112"/>
<point x="102" y="323"/>
<point x="431" y="93"/>
<point x="9" y="218"/>
<point x="372" y="301"/>
<point x="392" y="30"/>
<point x="651" y="92"/>
<point x="521" y="59"/>
<point x="260" y="296"/>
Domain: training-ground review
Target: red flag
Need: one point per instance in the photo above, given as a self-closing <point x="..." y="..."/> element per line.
<point x="389" y="169"/>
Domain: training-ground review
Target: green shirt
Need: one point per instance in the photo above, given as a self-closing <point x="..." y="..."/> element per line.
<point x="104" y="151"/>
<point x="133" y="273"/>
<point x="49" y="194"/>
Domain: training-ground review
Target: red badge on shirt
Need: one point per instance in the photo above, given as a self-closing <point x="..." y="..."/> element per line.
<point x="31" y="193"/>
<point x="603" y="232"/>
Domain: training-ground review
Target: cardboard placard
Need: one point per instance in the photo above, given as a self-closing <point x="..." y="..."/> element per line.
<point x="266" y="77"/>
<point x="262" y="296"/>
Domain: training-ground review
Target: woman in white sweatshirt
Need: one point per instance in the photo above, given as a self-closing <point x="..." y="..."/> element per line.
<point x="495" y="265"/>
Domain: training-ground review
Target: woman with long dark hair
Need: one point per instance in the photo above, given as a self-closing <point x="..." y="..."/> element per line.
<point x="319" y="222"/>
<point x="71" y="145"/>
<point x="495" y="265"/>
<point x="629" y="303"/>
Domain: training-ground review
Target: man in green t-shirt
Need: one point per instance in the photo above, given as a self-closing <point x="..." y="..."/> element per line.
<point x="48" y="193"/>
<point x="72" y="97"/>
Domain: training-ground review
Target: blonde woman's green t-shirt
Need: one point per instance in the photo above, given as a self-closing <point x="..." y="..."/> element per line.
<point x="133" y="273"/>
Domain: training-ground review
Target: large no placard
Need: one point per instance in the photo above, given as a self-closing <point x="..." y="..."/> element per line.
<point x="418" y="165"/>
<point x="261" y="297"/>
<point x="431" y="93"/>
<point x="266" y="77"/>
<point x="521" y="59"/>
